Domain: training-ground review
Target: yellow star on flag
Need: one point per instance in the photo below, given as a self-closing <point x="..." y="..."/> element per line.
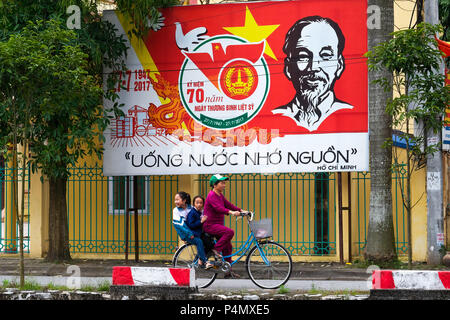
<point x="253" y="32"/>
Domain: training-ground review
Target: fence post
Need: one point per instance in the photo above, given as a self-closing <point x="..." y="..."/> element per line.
<point x="10" y="220"/>
<point x="340" y="208"/>
<point x="347" y="208"/>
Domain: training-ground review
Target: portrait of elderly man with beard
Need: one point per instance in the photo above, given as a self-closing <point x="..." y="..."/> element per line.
<point x="313" y="63"/>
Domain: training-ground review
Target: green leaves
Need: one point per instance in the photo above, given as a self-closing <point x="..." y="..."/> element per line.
<point x="410" y="51"/>
<point x="48" y="92"/>
<point x="420" y="95"/>
<point x="51" y="78"/>
<point x="444" y="13"/>
<point x="142" y="13"/>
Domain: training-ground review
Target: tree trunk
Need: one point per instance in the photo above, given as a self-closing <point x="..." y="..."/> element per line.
<point x="58" y="225"/>
<point x="380" y="244"/>
<point x="22" y="214"/>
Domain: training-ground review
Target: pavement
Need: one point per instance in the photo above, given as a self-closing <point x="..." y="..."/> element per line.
<point x="83" y="272"/>
<point x="315" y="277"/>
<point x="103" y="268"/>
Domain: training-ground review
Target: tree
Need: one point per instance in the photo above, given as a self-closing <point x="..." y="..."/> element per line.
<point x="412" y="57"/>
<point x="380" y="245"/>
<point x="14" y="123"/>
<point x="143" y="14"/>
<point x="444" y="13"/>
<point x="72" y="120"/>
<point x="67" y="92"/>
<point x="53" y="104"/>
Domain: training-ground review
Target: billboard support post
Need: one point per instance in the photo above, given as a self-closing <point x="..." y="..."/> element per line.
<point x="127" y="219"/>
<point x="127" y="216"/>
<point x="341" y="222"/>
<point x="136" y="218"/>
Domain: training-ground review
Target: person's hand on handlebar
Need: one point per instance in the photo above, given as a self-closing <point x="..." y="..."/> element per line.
<point x="242" y="213"/>
<point x="234" y="213"/>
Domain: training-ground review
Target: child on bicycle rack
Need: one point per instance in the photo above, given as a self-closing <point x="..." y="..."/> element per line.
<point x="195" y="220"/>
<point x="180" y="212"/>
<point x="216" y="207"/>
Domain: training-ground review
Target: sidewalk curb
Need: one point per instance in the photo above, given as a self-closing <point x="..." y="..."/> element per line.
<point x="411" y="279"/>
<point x="153" y="276"/>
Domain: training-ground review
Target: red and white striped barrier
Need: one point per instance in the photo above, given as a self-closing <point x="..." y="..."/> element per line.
<point x="152" y="276"/>
<point x="410" y="279"/>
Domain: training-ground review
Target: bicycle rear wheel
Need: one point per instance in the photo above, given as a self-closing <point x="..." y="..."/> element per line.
<point x="269" y="265"/>
<point x="187" y="257"/>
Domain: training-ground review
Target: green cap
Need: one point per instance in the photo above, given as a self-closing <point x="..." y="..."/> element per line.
<point x="215" y="178"/>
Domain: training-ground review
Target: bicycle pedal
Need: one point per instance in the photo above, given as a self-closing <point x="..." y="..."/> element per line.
<point x="216" y="267"/>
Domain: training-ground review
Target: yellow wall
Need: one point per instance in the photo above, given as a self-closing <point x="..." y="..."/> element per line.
<point x="403" y="9"/>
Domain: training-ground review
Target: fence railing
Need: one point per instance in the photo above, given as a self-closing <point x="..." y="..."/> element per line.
<point x="361" y="187"/>
<point x="97" y="212"/>
<point x="303" y="207"/>
<point x="9" y="227"/>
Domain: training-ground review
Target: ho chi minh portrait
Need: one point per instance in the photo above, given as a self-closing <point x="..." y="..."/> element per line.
<point x="314" y="61"/>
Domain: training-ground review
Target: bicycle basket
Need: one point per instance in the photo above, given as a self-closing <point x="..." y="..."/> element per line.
<point x="261" y="228"/>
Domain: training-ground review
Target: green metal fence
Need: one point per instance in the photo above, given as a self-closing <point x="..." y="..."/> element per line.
<point x="9" y="227"/>
<point x="302" y="207"/>
<point x="97" y="212"/>
<point x="361" y="188"/>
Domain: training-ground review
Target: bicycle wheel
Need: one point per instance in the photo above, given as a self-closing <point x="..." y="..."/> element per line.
<point x="186" y="257"/>
<point x="269" y="265"/>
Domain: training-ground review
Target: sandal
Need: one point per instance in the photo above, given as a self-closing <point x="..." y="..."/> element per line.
<point x="208" y="265"/>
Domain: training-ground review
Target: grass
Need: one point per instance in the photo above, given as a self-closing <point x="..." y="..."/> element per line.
<point x="336" y="293"/>
<point x="34" y="286"/>
<point x="282" y="289"/>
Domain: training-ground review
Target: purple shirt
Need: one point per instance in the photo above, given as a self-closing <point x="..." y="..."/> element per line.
<point x="216" y="207"/>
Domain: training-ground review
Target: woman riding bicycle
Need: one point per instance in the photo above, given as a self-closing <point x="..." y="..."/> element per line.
<point x="268" y="263"/>
<point x="216" y="207"/>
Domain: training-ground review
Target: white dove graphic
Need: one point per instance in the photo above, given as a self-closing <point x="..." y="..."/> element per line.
<point x="191" y="39"/>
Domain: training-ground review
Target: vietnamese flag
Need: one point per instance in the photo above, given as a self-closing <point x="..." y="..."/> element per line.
<point x="444" y="47"/>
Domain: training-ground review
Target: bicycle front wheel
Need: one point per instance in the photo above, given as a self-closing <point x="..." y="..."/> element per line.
<point x="187" y="257"/>
<point x="269" y="265"/>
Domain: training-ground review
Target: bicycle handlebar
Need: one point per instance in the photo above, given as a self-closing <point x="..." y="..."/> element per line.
<point x="248" y="214"/>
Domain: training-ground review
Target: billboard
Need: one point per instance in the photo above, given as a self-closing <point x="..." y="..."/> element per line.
<point x="276" y="86"/>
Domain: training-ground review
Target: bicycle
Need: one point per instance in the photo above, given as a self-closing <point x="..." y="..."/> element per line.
<point x="268" y="263"/>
